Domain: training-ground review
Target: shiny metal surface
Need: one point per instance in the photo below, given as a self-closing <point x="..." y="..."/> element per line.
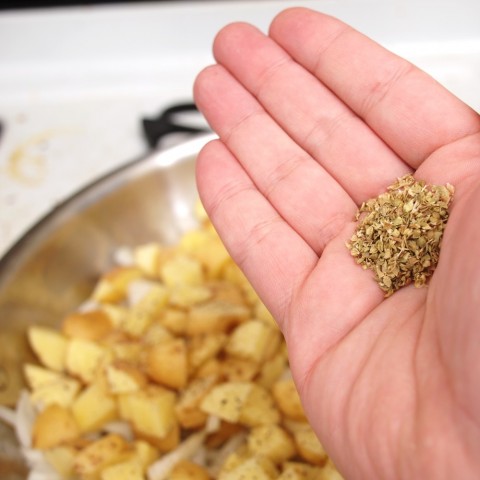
<point x="54" y="266"/>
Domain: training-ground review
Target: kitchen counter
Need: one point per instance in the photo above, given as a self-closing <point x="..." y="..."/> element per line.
<point x="76" y="82"/>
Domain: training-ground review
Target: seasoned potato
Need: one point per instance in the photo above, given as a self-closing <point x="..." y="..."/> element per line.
<point x="309" y="447"/>
<point x="112" y="287"/>
<point x="93" y="408"/>
<point x="122" y="377"/>
<point x="84" y="358"/>
<point x="187" y="409"/>
<point x="99" y="454"/>
<point x="215" y="316"/>
<point x="177" y="361"/>
<point x="272" y="441"/>
<point x="256" y="467"/>
<point x="150" y="411"/>
<point x="187" y="470"/>
<point x="91" y="325"/>
<point x="50" y="387"/>
<point x="166" y="363"/>
<point x="49" y="345"/>
<point x="253" y="340"/>
<point x="54" y="426"/>
<point x="288" y="400"/>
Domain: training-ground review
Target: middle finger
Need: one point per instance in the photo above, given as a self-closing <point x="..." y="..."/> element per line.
<point x="309" y="112"/>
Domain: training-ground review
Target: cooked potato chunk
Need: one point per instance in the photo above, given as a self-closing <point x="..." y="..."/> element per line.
<point x="253" y="340"/>
<point x="84" y="358"/>
<point x="91" y="325"/>
<point x="256" y="467"/>
<point x="54" y="426"/>
<point x="287" y="398"/>
<point x="166" y="363"/>
<point x="124" y="378"/>
<point x="127" y="470"/>
<point x="215" y="316"/>
<point x="181" y="270"/>
<point x="272" y="441"/>
<point x="187" y="470"/>
<point x="150" y="411"/>
<point x="301" y="471"/>
<point x="49" y="345"/>
<point x="99" y="454"/>
<point x="112" y="287"/>
<point x="93" y="408"/>
<point x="50" y="387"/>
<point x="309" y="447"/>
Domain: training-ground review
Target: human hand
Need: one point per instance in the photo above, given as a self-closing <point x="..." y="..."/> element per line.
<point x="312" y="120"/>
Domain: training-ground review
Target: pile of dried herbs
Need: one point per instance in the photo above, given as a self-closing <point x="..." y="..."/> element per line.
<point x="400" y="232"/>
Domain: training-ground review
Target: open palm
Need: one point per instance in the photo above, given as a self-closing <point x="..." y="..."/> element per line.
<point x="312" y="120"/>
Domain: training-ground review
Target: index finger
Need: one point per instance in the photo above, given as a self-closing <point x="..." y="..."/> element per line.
<point x="409" y="110"/>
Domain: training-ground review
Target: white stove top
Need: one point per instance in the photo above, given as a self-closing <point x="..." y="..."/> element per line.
<point x="75" y="82"/>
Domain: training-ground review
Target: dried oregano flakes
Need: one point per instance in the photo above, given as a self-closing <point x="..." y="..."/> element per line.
<point x="399" y="233"/>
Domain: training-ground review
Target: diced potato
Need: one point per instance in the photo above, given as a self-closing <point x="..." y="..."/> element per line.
<point x="188" y="470"/>
<point x="156" y="333"/>
<point x="145" y="311"/>
<point x="211" y="367"/>
<point x="50" y="387"/>
<point x="147" y="258"/>
<point x="241" y="402"/>
<point x="127" y="470"/>
<point x="223" y="434"/>
<point x="84" y="358"/>
<point x="239" y="370"/>
<point x="272" y="441"/>
<point x="253" y="340"/>
<point x="329" y="472"/>
<point x="54" y="426"/>
<point x="300" y="471"/>
<point x="124" y="378"/>
<point x="215" y="316"/>
<point x="145" y="453"/>
<point x="182" y="270"/>
<point x="186" y="296"/>
<point x="61" y="459"/>
<point x="93" y="408"/>
<point x="204" y="347"/>
<point x="116" y="313"/>
<point x="259" y="408"/>
<point x="166" y="363"/>
<point x="91" y="325"/>
<point x="227" y="400"/>
<point x="150" y="411"/>
<point x="232" y="273"/>
<point x="128" y="350"/>
<point x="109" y="449"/>
<point x="206" y="247"/>
<point x="287" y="398"/>
<point x="112" y="287"/>
<point x="256" y="467"/>
<point x="228" y="293"/>
<point x="187" y="408"/>
<point x="309" y="447"/>
<point x="174" y="320"/>
<point x="49" y="345"/>
<point x="271" y="370"/>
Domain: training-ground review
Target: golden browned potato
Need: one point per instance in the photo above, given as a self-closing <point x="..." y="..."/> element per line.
<point x="54" y="426"/>
<point x="99" y="454"/>
<point x="93" y="408"/>
<point x="49" y="346"/>
<point x="91" y="325"/>
<point x="188" y="470"/>
<point x="287" y="398"/>
<point x="166" y="363"/>
<point x="272" y="441"/>
<point x="150" y="411"/>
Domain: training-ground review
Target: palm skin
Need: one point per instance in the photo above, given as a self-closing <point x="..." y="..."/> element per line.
<point x="313" y="119"/>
